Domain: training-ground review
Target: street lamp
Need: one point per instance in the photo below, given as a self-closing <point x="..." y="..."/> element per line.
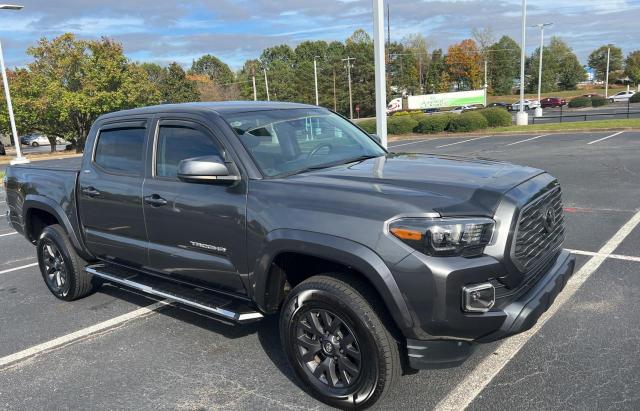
<point x="19" y="158"/>
<point x="522" y="118"/>
<point x="541" y="27"/>
<point x="315" y="77"/>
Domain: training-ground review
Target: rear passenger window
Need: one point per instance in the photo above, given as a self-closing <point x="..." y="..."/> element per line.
<point x="120" y="150"/>
<point x="177" y="143"/>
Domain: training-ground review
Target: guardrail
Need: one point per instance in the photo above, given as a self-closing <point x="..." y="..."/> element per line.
<point x="627" y="113"/>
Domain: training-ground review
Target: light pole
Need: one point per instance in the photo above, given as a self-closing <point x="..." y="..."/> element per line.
<point x="522" y="118"/>
<point x="381" y="86"/>
<point x="541" y="27"/>
<point x="19" y="158"/>
<point x="348" y="60"/>
<point x="315" y="78"/>
<point x="606" y="77"/>
<point x="266" y="84"/>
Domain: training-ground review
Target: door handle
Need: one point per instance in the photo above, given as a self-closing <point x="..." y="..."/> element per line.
<point x="90" y="192"/>
<point x="155" y="200"/>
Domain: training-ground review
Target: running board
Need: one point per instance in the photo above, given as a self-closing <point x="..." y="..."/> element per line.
<point x="199" y="298"/>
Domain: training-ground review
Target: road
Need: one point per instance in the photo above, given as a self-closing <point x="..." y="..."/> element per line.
<point x="108" y="351"/>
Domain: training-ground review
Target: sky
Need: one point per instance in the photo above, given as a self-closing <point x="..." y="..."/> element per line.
<point x="163" y="31"/>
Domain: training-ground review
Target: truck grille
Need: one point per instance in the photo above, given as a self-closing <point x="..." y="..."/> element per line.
<point x="540" y="230"/>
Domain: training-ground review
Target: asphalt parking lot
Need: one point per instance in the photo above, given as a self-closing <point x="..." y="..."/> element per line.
<point x="109" y="351"/>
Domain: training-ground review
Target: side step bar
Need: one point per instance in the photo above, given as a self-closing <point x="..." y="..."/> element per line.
<point x="204" y="300"/>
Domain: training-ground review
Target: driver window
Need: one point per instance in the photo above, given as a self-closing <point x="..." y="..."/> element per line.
<point x="177" y="143"/>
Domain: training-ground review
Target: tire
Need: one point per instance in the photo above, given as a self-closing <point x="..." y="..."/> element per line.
<point x="61" y="267"/>
<point x="35" y="144"/>
<point x="361" y="352"/>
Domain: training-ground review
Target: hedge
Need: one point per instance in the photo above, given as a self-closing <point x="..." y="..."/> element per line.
<point x="435" y="123"/>
<point x="635" y="98"/>
<point x="368" y="125"/>
<point x="580" y="102"/>
<point x="598" y="101"/>
<point x="401" y="125"/>
<point x="497" y="116"/>
<point x="468" y="121"/>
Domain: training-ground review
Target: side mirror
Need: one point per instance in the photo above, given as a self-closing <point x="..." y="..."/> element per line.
<point x="376" y="138"/>
<point x="208" y="169"/>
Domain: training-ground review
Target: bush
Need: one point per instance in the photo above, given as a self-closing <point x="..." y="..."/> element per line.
<point x="496" y="116"/>
<point x="400" y="114"/>
<point x="435" y="123"/>
<point x="468" y="121"/>
<point x="401" y="125"/>
<point x="598" y="101"/>
<point x="635" y="98"/>
<point x="368" y="125"/>
<point x="580" y="102"/>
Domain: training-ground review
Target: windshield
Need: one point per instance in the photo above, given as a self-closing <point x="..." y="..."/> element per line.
<point x="284" y="142"/>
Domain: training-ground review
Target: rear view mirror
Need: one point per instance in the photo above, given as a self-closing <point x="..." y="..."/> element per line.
<point x="208" y="169"/>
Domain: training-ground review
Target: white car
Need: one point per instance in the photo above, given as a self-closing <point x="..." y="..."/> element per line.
<point x="621" y="96"/>
<point x="462" y="109"/>
<point x="528" y="105"/>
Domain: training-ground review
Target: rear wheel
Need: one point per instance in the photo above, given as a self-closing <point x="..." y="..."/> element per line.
<point x="339" y="347"/>
<point x="34" y="144"/>
<point x="61" y="267"/>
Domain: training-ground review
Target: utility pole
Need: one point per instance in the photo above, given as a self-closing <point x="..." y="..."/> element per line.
<point x="266" y="83"/>
<point x="315" y="78"/>
<point x="522" y="118"/>
<point x="420" y="75"/>
<point x="335" y="101"/>
<point x="541" y="27"/>
<point x="380" y="74"/>
<point x="388" y="25"/>
<point x="348" y="63"/>
<point x="255" y="92"/>
<point x="486" y="85"/>
<point x="606" y="81"/>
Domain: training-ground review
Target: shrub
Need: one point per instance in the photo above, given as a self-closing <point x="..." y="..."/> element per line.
<point x="401" y="125"/>
<point x="579" y="102"/>
<point x="598" y="101"/>
<point x="497" y="116"/>
<point x="368" y="125"/>
<point x="468" y="121"/>
<point x="436" y="123"/>
<point x="635" y="98"/>
<point x="400" y="114"/>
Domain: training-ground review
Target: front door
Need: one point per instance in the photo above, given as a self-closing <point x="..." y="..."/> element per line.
<point x="110" y="194"/>
<point x="196" y="231"/>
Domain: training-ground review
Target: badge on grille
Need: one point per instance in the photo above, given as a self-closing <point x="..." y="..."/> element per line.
<point x="548" y="219"/>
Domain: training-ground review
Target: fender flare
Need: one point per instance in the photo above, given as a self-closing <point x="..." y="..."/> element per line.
<point x="338" y="250"/>
<point x="38" y="202"/>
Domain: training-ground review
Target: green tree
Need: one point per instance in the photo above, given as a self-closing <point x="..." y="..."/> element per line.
<point x="71" y="82"/>
<point x="598" y="60"/>
<point x="561" y="69"/>
<point x="436" y="80"/>
<point x="503" y="65"/>
<point x="175" y="87"/>
<point x="211" y="66"/>
<point x="632" y="66"/>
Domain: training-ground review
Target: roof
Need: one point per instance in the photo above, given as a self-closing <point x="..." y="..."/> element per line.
<point x="220" y="107"/>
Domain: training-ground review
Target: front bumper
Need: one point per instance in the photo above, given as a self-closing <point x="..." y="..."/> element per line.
<point x="519" y="316"/>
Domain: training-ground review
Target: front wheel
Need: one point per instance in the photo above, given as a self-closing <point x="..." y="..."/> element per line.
<point x="35" y="144"/>
<point x="338" y="345"/>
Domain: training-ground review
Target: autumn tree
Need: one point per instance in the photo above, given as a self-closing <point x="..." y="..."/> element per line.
<point x="463" y="62"/>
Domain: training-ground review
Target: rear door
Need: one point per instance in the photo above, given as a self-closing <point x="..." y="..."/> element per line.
<point x="196" y="231"/>
<point x="110" y="193"/>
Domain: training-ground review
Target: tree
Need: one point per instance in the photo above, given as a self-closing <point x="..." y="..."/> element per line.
<point x="503" y="65"/>
<point x="71" y="82"/>
<point x="437" y="79"/>
<point x="175" y="87"/>
<point x="632" y="66"/>
<point x="463" y="65"/>
<point x="418" y="46"/>
<point x="598" y="60"/>
<point x="211" y="66"/>
<point x="561" y="69"/>
<point x="483" y="37"/>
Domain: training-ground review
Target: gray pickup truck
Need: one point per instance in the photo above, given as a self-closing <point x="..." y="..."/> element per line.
<point x="377" y="263"/>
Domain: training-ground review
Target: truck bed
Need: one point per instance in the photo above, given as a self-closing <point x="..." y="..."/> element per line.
<point x="64" y="164"/>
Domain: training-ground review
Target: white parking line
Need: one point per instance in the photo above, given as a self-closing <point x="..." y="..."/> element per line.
<point x="460" y="142"/>
<point x="413" y="142"/>
<point x="604" y="138"/>
<point x="6" y="234"/>
<point x="614" y="256"/>
<point x="18" y="268"/>
<point x="468" y="389"/>
<point x="80" y="334"/>
<point x="529" y="139"/>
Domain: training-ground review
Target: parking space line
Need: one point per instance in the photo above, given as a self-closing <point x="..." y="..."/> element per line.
<point x="18" y="268"/>
<point x="615" y="256"/>
<point x="529" y="139"/>
<point x="6" y="234"/>
<point x="604" y="138"/>
<point x="460" y="142"/>
<point x="472" y="385"/>
<point x="81" y="334"/>
<point x="413" y="142"/>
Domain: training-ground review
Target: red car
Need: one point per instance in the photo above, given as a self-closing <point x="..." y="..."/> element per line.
<point x="553" y="102"/>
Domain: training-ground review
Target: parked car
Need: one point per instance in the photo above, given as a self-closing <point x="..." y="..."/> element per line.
<point x="553" y="102"/>
<point x="590" y="95"/>
<point x="431" y="110"/>
<point x="622" y="96"/>
<point x="528" y="105"/>
<point x="462" y="109"/>
<point x="36" y="140"/>
<point x="504" y="105"/>
<point x="373" y="260"/>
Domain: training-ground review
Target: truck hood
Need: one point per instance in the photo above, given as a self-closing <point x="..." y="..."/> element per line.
<point x="449" y="185"/>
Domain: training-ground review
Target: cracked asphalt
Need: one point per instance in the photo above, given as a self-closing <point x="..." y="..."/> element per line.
<point x="584" y="357"/>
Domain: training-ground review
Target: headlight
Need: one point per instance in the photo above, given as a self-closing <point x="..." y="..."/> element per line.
<point x="444" y="236"/>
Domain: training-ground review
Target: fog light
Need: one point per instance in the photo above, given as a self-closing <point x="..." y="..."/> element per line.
<point x="478" y="298"/>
